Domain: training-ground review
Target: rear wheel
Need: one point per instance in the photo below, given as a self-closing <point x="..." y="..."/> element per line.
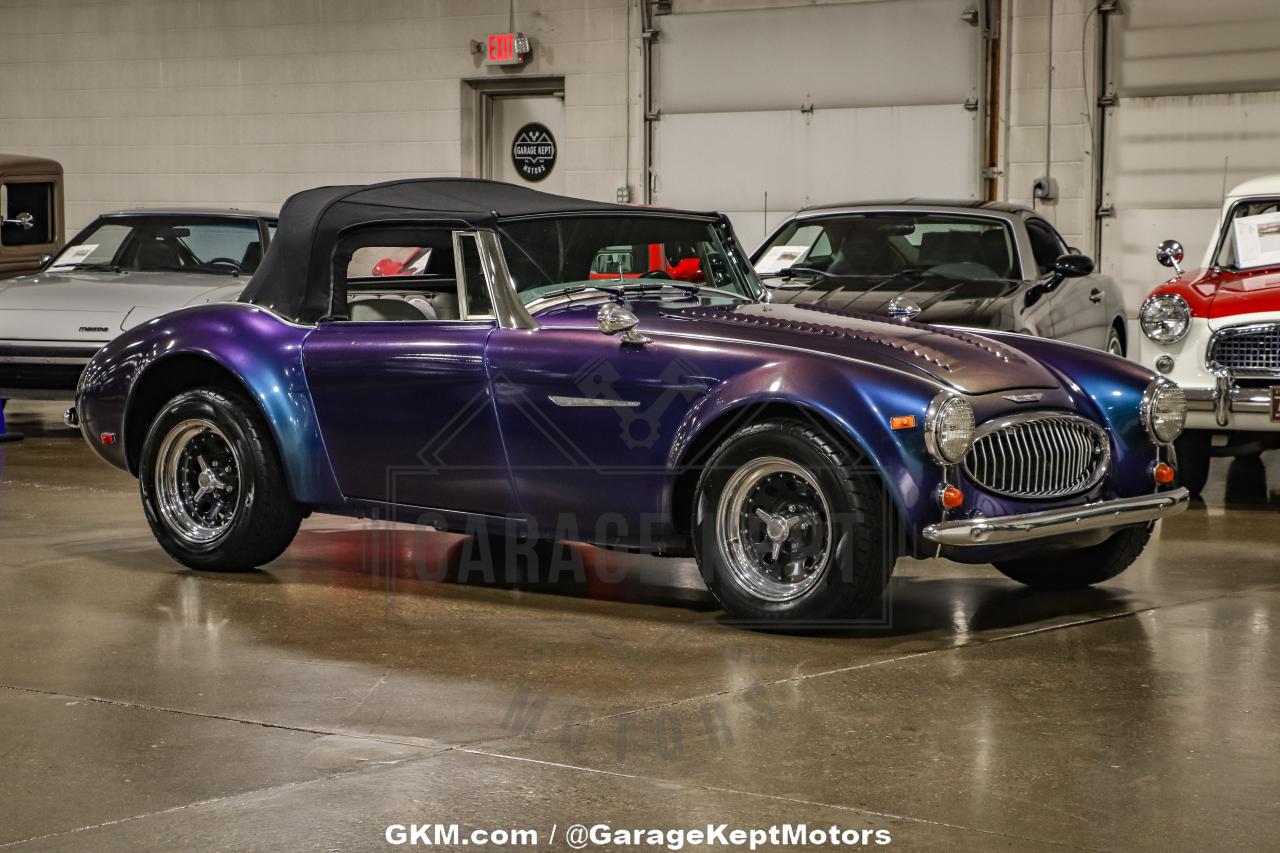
<point x="1082" y="567"/>
<point x="213" y="485"/>
<point x="785" y="529"/>
<point x="1194" y="449"/>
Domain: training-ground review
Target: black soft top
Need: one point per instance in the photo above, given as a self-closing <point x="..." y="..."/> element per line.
<point x="293" y="279"/>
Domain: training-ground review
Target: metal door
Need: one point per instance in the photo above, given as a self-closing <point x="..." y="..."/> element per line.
<point x="525" y="141"/>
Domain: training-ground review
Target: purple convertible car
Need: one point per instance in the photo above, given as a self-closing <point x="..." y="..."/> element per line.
<point x="522" y="378"/>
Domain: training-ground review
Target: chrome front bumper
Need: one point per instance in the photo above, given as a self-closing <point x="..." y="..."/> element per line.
<point x="1226" y="398"/>
<point x="1004" y="529"/>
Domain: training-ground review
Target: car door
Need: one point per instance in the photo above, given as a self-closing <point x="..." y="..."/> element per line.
<point x="589" y="423"/>
<point x="1077" y="306"/>
<point x="404" y="401"/>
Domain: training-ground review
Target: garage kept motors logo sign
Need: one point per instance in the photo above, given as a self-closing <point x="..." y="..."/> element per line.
<point x="534" y="151"/>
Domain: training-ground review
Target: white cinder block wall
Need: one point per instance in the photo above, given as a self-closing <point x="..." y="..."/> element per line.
<point x="1035" y="101"/>
<point x="242" y="102"/>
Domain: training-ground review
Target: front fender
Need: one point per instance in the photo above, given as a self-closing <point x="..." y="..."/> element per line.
<point x="858" y="400"/>
<point x="258" y="349"/>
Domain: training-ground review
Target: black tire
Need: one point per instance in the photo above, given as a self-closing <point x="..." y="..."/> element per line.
<point x="1194" y="449"/>
<point x="850" y="575"/>
<point x="1083" y="567"/>
<point x="263" y="516"/>
<point x="1115" y="342"/>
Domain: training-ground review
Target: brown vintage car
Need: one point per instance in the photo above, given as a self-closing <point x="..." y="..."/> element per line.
<point x="31" y="209"/>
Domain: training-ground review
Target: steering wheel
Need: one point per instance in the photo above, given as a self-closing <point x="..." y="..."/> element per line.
<point x="226" y="262"/>
<point x="663" y="274"/>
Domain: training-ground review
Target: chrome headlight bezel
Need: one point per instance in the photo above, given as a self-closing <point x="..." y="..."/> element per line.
<point x="1153" y="328"/>
<point x="940" y="419"/>
<point x="1155" y="419"/>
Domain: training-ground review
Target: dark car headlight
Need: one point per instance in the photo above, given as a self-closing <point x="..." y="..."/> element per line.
<point x="1165" y="318"/>
<point x="1164" y="411"/>
<point x="948" y="428"/>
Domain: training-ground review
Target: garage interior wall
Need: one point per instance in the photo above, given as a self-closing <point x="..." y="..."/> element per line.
<point x="1040" y="102"/>
<point x="1197" y="111"/>
<point x="814" y="103"/>
<point x="242" y="102"/>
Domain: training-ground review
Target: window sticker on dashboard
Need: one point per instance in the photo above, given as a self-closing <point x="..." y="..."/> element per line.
<point x="1258" y="240"/>
<point x="779" y="258"/>
<point x="73" y="256"/>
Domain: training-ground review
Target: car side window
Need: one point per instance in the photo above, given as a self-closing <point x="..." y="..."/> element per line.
<point x="1046" y="245"/>
<point x="475" y="285"/>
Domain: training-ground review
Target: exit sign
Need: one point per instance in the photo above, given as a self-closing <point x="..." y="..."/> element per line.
<point x="507" y="49"/>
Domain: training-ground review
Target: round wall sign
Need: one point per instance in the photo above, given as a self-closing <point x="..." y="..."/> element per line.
<point x="534" y="151"/>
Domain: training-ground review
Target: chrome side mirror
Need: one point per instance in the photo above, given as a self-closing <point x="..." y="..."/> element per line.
<point x="1170" y="254"/>
<point x="45" y="260"/>
<point x="614" y="317"/>
<point x="25" y="221"/>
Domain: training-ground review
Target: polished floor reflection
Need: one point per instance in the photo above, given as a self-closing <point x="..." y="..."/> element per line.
<point x="359" y="681"/>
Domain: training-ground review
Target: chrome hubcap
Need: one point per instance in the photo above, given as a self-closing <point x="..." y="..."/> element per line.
<point x="776" y="528"/>
<point x="197" y="482"/>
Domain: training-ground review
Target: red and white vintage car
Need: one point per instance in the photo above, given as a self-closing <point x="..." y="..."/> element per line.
<point x="1216" y="332"/>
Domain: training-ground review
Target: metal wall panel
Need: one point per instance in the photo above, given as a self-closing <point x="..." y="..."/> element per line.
<point x="728" y="161"/>
<point x="815" y="104"/>
<point x="850" y="55"/>
<point x="1193" y="46"/>
<point x="1198" y="112"/>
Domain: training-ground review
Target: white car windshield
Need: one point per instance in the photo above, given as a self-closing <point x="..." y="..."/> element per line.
<point x="200" y="244"/>
<point x="1251" y="235"/>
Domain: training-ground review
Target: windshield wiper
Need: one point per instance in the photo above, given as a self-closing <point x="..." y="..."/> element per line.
<point x="93" y="267"/>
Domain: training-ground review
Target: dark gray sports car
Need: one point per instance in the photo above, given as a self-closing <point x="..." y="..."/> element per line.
<point x="987" y="265"/>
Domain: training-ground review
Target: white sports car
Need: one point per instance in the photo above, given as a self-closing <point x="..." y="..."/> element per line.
<point x="123" y="269"/>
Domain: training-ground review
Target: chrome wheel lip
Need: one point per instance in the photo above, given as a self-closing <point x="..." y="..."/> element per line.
<point x="1114" y="345"/>
<point x="740" y="564"/>
<point x="178" y="511"/>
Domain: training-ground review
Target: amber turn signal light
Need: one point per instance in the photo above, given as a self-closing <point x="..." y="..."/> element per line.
<point x="903" y="422"/>
<point x="950" y="497"/>
<point x="1164" y="474"/>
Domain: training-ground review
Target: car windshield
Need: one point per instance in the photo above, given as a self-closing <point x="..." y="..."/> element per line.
<point x="552" y="256"/>
<point x="200" y="244"/>
<point x="1251" y="235"/>
<point x="876" y="246"/>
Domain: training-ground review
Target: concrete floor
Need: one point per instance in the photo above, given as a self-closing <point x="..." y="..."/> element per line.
<point x="309" y="705"/>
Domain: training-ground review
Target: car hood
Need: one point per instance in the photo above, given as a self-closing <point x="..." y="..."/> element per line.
<point x="987" y="304"/>
<point x="963" y="361"/>
<point x="96" y="306"/>
<point x="1217" y="293"/>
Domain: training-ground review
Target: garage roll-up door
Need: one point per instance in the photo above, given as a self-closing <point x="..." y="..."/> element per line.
<point x="1197" y="110"/>
<point x="815" y="104"/>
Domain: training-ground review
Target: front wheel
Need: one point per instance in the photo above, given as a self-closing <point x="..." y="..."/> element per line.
<point x="213" y="485"/>
<point x="1082" y="567"/>
<point x="786" y="528"/>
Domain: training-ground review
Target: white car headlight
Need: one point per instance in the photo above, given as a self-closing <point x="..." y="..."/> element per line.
<point x="1164" y="411"/>
<point x="1165" y="318"/>
<point x="948" y="428"/>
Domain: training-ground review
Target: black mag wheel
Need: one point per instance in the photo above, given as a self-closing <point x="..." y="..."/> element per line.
<point x="213" y="485"/>
<point x="788" y="528"/>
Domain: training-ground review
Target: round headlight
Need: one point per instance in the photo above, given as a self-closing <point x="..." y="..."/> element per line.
<point x="1165" y="318"/>
<point x="948" y="428"/>
<point x="1164" y="411"/>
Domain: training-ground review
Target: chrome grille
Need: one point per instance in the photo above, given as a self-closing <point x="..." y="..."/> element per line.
<point x="1038" y="455"/>
<point x="1252" y="350"/>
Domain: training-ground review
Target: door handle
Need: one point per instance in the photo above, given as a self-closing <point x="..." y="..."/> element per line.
<point x="1095" y="295"/>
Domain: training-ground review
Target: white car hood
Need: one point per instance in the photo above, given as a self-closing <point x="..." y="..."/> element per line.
<point x="94" y="307"/>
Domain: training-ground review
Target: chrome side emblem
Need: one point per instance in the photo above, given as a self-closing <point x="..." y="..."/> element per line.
<point x="94" y="329"/>
<point x="901" y="308"/>
<point x="1024" y="398"/>
<point x="592" y="402"/>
